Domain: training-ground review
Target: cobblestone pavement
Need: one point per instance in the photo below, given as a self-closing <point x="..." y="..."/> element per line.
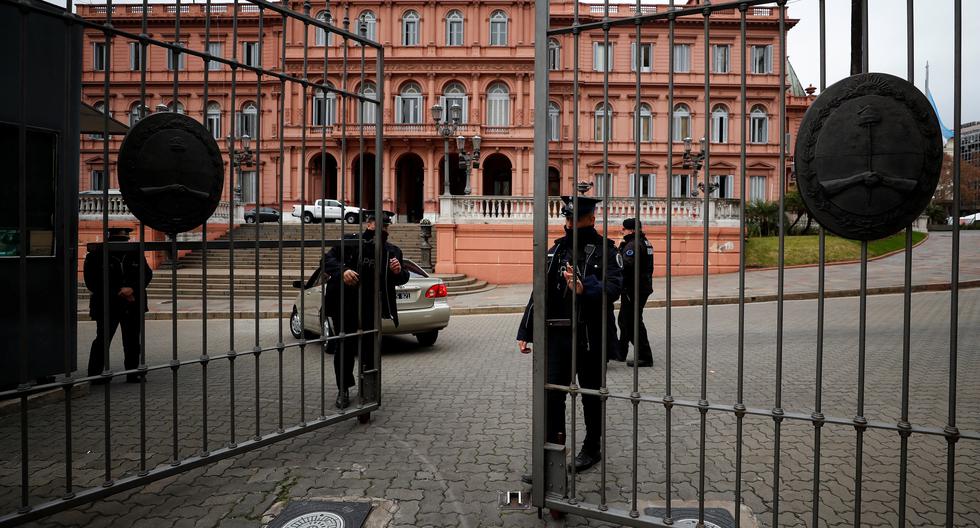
<point x="455" y="425"/>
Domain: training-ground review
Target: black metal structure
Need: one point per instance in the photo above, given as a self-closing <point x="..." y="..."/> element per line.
<point x="28" y="28"/>
<point x="559" y="491"/>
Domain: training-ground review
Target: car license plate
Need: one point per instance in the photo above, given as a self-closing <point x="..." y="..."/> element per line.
<point x="403" y="296"/>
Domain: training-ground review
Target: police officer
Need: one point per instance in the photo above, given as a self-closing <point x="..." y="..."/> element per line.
<point x="124" y="310"/>
<point x="582" y="274"/>
<point x="637" y="252"/>
<point x="355" y="274"/>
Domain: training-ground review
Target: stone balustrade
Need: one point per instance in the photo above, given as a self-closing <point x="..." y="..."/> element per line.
<point x="90" y="207"/>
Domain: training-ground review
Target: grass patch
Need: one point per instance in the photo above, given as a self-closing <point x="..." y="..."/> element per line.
<point x="763" y="252"/>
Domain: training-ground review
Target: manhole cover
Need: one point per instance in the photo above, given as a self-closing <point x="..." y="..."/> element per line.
<point x="322" y="514"/>
<point x="688" y="517"/>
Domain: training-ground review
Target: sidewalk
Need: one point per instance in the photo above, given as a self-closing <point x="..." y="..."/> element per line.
<point x="930" y="272"/>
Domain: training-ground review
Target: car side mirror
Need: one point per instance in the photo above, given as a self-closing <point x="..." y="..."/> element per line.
<point x="298" y="284"/>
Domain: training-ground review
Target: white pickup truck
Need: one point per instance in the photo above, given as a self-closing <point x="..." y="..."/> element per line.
<point x="329" y="210"/>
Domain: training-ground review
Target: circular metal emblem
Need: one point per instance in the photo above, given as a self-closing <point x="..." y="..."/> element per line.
<point x="868" y="156"/>
<point x="320" y="519"/>
<point x="170" y="172"/>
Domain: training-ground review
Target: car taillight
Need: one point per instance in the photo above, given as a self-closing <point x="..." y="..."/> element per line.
<point x="436" y="291"/>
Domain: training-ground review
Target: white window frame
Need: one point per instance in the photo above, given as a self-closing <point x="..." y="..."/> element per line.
<point x="499" y="22"/>
<point x="248" y="120"/>
<point x="761" y="59"/>
<point x="602" y="129"/>
<point x="371" y="24"/>
<point x="648" y="185"/>
<point x="646" y="124"/>
<point x="554" y="55"/>
<point x="757" y="189"/>
<point x="408" y="105"/>
<point x="682" y="122"/>
<point x="322" y="37"/>
<point x="367" y="112"/>
<point x="682" y="58"/>
<point x="719" y="124"/>
<point x="324" y="107"/>
<point x="758" y="125"/>
<point x="136" y="113"/>
<point x="134" y="56"/>
<point x="97" y="176"/>
<point x="250" y="186"/>
<point x="725" y="186"/>
<point x="250" y="54"/>
<point x="597" y="56"/>
<point x="99" y="57"/>
<point x="721" y="58"/>
<point x="601" y="182"/>
<point x="181" y="58"/>
<point x="645" y="59"/>
<point x="455" y="27"/>
<point x="212" y="119"/>
<point x="411" y="28"/>
<point x="216" y="49"/>
<point x="554" y="121"/>
<point x="680" y="186"/>
<point x="455" y="93"/>
<point x="498" y="105"/>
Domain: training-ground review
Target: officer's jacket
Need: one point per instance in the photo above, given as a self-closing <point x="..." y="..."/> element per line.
<point x="589" y="305"/>
<point x="632" y="257"/>
<point x="362" y="262"/>
<point x="124" y="272"/>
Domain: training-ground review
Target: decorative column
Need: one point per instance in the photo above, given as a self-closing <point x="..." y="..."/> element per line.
<point x="517" y="180"/>
<point x="519" y="101"/>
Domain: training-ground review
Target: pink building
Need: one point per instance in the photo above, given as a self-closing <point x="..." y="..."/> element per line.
<point x="479" y="56"/>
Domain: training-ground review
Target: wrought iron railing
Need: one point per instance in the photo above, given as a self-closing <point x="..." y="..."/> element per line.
<point x="90" y="207"/>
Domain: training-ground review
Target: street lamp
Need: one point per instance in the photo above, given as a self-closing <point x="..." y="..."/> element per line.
<point x="446" y="128"/>
<point x="468" y="160"/>
<point x="238" y="158"/>
<point x="694" y="161"/>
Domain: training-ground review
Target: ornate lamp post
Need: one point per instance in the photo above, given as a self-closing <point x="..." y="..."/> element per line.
<point x="468" y="160"/>
<point x="694" y="161"/>
<point x="238" y="158"/>
<point x="446" y="125"/>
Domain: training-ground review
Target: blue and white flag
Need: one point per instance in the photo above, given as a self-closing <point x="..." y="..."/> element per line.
<point x="947" y="133"/>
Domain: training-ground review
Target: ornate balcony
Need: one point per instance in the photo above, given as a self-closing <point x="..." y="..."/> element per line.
<point x="90" y="207"/>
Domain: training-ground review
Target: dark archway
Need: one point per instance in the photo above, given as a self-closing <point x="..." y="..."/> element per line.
<point x="457" y="176"/>
<point x="554" y="182"/>
<point x="497" y="175"/>
<point x="328" y="168"/>
<point x="410" y="188"/>
<point x="363" y="190"/>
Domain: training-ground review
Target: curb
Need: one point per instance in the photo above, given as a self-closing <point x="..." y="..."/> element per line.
<point x="515" y="309"/>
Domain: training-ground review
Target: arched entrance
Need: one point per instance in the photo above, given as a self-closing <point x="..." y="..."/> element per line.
<point x="497" y="175"/>
<point x="554" y="182"/>
<point x="363" y="182"/>
<point x="410" y="188"/>
<point x="318" y="169"/>
<point x="457" y="176"/>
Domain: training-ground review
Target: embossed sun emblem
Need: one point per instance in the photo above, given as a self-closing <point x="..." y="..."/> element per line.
<point x="868" y="156"/>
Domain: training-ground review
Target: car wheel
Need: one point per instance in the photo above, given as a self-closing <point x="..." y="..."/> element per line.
<point x="296" y="325"/>
<point x="326" y="330"/>
<point x="351" y="218"/>
<point x="427" y="338"/>
<point x="307" y="217"/>
<point x="249" y="219"/>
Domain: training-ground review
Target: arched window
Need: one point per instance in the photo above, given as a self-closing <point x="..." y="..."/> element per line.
<point x="603" y="122"/>
<point x="719" y="124"/>
<point x="759" y="125"/>
<point x="498" y="28"/>
<point x="212" y="118"/>
<point x="367" y="112"/>
<point x="410" y="29"/>
<point x="248" y="120"/>
<point x="136" y="112"/>
<point x="554" y="121"/>
<point x="324" y="107"/>
<point x="408" y="105"/>
<point x="454" y="28"/>
<point x="554" y="55"/>
<point x="646" y="124"/>
<point x="322" y="37"/>
<point x="370" y="23"/>
<point x="682" y="122"/>
<point x="455" y="94"/>
<point x="178" y="107"/>
<point x="498" y="105"/>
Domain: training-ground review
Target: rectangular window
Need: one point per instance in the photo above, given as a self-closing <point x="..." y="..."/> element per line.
<point x="454" y="32"/>
<point x="603" y="184"/>
<point x="682" y="58"/>
<point x="757" y="188"/>
<point x="759" y="129"/>
<point x="554" y="124"/>
<point x="498" y="32"/>
<point x="721" y="58"/>
<point x="368" y="111"/>
<point x="216" y="49"/>
<point x="41" y="192"/>
<point x="554" y="57"/>
<point x="448" y="101"/>
<point x="762" y="59"/>
<point x="680" y="186"/>
<point x="98" y="56"/>
<point x="645" y="61"/>
<point x="725" y="186"/>
<point x="602" y="58"/>
<point x="97" y="180"/>
<point x="410" y="32"/>
<point x="498" y="111"/>
<point x="250" y="188"/>
<point x="247" y="124"/>
<point x="719" y="127"/>
<point x="176" y="58"/>
<point x="250" y="54"/>
<point x="648" y="185"/>
<point x="214" y="124"/>
<point x="134" y="56"/>
<point x="408" y="110"/>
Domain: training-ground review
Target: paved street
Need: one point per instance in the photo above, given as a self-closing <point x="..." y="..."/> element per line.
<point x="455" y="425"/>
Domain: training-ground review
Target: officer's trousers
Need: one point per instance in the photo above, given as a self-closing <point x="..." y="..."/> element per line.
<point x="589" y="370"/>
<point x="129" y="319"/>
<point x="344" y="373"/>
<point x="643" y="352"/>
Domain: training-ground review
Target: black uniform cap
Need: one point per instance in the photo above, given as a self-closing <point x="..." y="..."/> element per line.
<point x="371" y="215"/>
<point x="630" y="223"/>
<point x="585" y="206"/>
<point x="119" y="231"/>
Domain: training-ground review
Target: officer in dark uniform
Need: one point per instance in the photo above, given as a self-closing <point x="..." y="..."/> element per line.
<point x="583" y="274"/>
<point x="124" y="309"/>
<point x="637" y="252"/>
<point x="355" y="274"/>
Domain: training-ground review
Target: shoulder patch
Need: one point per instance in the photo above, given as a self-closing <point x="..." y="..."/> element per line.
<point x="629" y="252"/>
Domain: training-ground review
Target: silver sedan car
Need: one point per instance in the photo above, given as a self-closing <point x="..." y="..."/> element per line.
<point x="422" y="308"/>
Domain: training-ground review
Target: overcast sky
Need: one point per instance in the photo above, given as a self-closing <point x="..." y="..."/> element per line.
<point x="933" y="40"/>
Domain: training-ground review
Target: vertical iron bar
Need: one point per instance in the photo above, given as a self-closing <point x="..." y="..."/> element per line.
<point x="68" y="252"/>
<point x="639" y="254"/>
<point x="106" y="370"/>
<point x="860" y="422"/>
<point x="706" y="219"/>
<point x="342" y="347"/>
<point x="378" y="188"/>
<point x="234" y="170"/>
<point x="362" y="32"/>
<point x="821" y="283"/>
<point x="574" y="192"/>
<point x="952" y="432"/>
<point x="302" y="224"/>
<point x="142" y="252"/>
<point x="606" y="184"/>
<point x="323" y="196"/>
<point x="204" y="246"/>
<point x="668" y="398"/>
<point x="258" y="216"/>
<point x="174" y="362"/>
<point x="280" y="346"/>
<point x="778" y="410"/>
<point x="739" y="403"/>
<point x="24" y="360"/>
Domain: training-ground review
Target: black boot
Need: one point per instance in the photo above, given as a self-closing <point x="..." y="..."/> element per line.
<point x="343" y="400"/>
<point x="527" y="478"/>
<point x="640" y="363"/>
<point x="586" y="459"/>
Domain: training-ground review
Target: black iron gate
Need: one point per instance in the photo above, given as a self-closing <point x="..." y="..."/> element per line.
<point x="217" y="393"/>
<point x="562" y="490"/>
